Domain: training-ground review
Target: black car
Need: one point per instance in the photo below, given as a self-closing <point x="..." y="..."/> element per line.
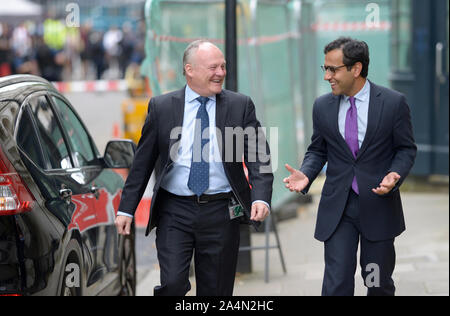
<point x="58" y="198"/>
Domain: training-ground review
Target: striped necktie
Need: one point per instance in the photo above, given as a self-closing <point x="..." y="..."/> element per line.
<point x="351" y="135"/>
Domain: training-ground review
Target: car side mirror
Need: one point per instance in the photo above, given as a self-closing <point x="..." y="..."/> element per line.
<point x="119" y="153"/>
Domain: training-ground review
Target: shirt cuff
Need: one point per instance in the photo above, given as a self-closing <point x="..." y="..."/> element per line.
<point x="260" y="201"/>
<point x="124" y="214"/>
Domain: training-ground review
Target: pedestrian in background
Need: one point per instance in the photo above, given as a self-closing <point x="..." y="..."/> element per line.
<point x="364" y="132"/>
<point x="5" y="51"/>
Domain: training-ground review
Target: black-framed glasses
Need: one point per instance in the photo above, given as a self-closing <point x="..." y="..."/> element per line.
<point x="331" y="69"/>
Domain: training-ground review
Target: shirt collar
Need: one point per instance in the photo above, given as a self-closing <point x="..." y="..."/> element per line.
<point x="363" y="95"/>
<point x="191" y="95"/>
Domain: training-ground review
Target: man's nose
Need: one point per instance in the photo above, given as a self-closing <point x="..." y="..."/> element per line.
<point x="221" y="72"/>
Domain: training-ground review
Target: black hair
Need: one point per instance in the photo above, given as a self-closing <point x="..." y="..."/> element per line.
<point x="354" y="51"/>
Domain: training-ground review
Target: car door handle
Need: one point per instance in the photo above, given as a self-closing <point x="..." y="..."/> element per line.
<point x="66" y="195"/>
<point x="95" y="191"/>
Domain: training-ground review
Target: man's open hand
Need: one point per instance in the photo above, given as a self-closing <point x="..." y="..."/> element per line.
<point x="297" y="181"/>
<point x="387" y="184"/>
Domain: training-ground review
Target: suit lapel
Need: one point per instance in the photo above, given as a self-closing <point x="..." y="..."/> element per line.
<point x="375" y="110"/>
<point x="178" y="102"/>
<point x="335" y="104"/>
<point x="221" y="115"/>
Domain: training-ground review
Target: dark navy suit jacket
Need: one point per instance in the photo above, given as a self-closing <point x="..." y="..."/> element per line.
<point x="388" y="146"/>
<point x="166" y="113"/>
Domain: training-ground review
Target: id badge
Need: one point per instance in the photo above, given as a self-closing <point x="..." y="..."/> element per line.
<point x="235" y="209"/>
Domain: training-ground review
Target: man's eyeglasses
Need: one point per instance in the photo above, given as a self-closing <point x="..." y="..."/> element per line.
<point x="331" y="69"/>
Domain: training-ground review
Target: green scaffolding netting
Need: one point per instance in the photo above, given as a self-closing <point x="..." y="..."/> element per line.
<point x="268" y="63"/>
<point x="280" y="48"/>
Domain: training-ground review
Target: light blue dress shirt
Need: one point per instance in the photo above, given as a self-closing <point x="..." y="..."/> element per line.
<point x="176" y="179"/>
<point x="362" y="106"/>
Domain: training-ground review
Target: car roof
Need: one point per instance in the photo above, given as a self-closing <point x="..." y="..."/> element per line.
<point x="18" y="87"/>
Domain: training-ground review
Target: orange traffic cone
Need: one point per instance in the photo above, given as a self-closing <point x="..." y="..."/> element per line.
<point x="116" y="130"/>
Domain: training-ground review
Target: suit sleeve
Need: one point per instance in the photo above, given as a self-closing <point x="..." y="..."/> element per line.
<point x="405" y="148"/>
<point x="146" y="155"/>
<point x="316" y="155"/>
<point x="257" y="157"/>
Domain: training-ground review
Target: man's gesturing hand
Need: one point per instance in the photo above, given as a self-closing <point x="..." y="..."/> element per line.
<point x="123" y="224"/>
<point x="387" y="184"/>
<point x="297" y="181"/>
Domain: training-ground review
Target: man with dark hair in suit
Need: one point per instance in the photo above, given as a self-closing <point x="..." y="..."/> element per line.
<point x="364" y="133"/>
<point x="200" y="195"/>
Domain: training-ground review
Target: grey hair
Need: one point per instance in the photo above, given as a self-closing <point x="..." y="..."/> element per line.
<point x="188" y="52"/>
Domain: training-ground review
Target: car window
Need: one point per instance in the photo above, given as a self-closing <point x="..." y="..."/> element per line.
<point x="28" y="141"/>
<point x="53" y="143"/>
<point x="78" y="137"/>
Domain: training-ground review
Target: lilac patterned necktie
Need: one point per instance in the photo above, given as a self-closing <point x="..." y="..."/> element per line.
<point x="351" y="135"/>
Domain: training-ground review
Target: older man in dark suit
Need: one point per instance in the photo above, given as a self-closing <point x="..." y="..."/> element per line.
<point x="202" y="194"/>
<point x="364" y="132"/>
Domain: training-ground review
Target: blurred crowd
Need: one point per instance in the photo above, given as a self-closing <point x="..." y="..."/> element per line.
<point x="59" y="53"/>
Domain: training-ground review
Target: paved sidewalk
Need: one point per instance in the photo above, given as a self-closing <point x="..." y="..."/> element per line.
<point x="422" y="255"/>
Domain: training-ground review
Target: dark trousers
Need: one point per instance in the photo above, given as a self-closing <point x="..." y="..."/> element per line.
<point x="377" y="259"/>
<point x="186" y="228"/>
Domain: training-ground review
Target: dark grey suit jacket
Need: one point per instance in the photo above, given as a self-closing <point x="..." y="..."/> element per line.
<point x="388" y="146"/>
<point x="165" y="113"/>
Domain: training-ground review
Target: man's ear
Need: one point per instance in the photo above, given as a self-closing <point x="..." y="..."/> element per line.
<point x="188" y="70"/>
<point x="357" y="68"/>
